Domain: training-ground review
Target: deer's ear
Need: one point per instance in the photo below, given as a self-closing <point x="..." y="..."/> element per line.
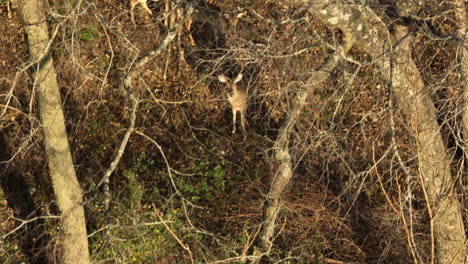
<point x="238" y="78"/>
<point x="222" y="78"/>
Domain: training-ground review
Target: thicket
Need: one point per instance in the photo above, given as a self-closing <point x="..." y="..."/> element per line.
<point x="195" y="191"/>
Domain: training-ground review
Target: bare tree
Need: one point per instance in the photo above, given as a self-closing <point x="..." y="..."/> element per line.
<point x="372" y="35"/>
<point x="392" y="56"/>
<point x="282" y="157"/>
<point x="344" y="156"/>
<point x="460" y="12"/>
<point x="62" y="172"/>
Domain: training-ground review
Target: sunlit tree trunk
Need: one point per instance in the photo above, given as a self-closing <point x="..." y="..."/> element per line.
<point x="463" y="60"/>
<point x="372" y="35"/>
<point x="73" y="240"/>
<point x="434" y="165"/>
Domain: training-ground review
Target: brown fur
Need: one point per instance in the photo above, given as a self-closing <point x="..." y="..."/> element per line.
<point x="238" y="100"/>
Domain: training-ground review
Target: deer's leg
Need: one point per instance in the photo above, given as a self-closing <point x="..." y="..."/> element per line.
<point x="244" y="133"/>
<point x="145" y="6"/>
<point x="243" y="121"/>
<point x="234" y="112"/>
<point x="188" y="27"/>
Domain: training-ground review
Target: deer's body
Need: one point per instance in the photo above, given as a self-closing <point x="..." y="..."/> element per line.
<point x="238" y="100"/>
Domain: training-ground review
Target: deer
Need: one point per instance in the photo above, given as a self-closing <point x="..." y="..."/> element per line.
<point x="133" y="3"/>
<point x="174" y="16"/>
<point x="238" y="100"/>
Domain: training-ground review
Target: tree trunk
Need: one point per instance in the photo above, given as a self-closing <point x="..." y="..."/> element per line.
<point x="434" y="165"/>
<point x="67" y="190"/>
<point x="462" y="35"/>
<point x="282" y="156"/>
<point x="372" y="35"/>
<point x="463" y="23"/>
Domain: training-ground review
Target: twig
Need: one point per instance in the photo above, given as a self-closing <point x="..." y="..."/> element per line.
<point x="38" y="60"/>
<point x="296" y="53"/>
<point x="249" y="244"/>
<point x="181" y="243"/>
<point x="128" y="88"/>
<point x="24" y="222"/>
<point x="29" y="116"/>
<point x="430" y="208"/>
<point x="380" y="182"/>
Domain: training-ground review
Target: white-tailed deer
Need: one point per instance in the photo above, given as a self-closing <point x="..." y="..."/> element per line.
<point x="238" y="100"/>
<point x="133" y="3"/>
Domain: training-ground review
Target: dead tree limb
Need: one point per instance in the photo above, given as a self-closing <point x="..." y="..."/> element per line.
<point x="282" y="157"/>
<point x="372" y="35"/>
<point x="128" y="89"/>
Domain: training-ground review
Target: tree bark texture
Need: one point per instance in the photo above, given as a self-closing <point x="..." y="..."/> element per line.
<point x="462" y="35"/>
<point x="282" y="156"/>
<point x="67" y="190"/>
<point x="434" y="165"/>
<point x="371" y="34"/>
